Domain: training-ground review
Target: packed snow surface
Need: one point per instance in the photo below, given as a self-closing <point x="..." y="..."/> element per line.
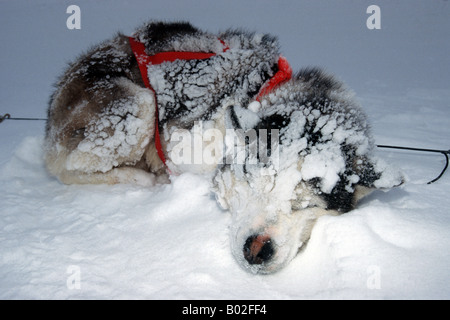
<point x="172" y="241"/>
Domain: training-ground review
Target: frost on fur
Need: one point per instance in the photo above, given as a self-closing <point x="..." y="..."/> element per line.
<point x="119" y="137"/>
<point x="318" y="151"/>
<point x="325" y="164"/>
<point x="194" y="89"/>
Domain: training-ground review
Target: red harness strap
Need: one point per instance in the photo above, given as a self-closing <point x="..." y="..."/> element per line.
<point x="145" y="60"/>
<point x="284" y="74"/>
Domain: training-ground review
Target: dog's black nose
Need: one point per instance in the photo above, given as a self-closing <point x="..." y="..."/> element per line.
<point x="258" y="249"/>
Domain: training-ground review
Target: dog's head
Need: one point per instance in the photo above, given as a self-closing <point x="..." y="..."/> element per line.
<point x="304" y="152"/>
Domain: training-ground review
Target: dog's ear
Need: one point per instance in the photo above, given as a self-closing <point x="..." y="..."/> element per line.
<point x="237" y="117"/>
<point x="375" y="174"/>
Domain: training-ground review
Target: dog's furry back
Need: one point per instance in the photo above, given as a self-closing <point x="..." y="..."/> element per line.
<point x="193" y="89"/>
<point x="101" y="124"/>
<point x="101" y="117"/>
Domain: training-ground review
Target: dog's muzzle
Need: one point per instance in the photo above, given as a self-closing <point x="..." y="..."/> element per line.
<point x="258" y="249"/>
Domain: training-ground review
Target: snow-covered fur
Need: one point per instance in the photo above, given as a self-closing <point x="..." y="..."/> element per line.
<point x="321" y="163"/>
<point x="101" y="125"/>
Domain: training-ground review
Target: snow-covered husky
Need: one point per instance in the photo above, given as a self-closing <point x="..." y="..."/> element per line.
<point x="117" y="109"/>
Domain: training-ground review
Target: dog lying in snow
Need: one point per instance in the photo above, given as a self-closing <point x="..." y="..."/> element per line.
<point x="285" y="149"/>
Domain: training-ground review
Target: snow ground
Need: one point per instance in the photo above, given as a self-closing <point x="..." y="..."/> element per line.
<point x="171" y="241"/>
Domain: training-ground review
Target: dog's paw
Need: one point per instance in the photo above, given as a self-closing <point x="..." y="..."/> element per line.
<point x="134" y="176"/>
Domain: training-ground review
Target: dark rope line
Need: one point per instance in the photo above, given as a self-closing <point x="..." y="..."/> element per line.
<point x="443" y="171"/>
<point x="414" y="149"/>
<point x="7" y="116"/>
<point x="444" y="152"/>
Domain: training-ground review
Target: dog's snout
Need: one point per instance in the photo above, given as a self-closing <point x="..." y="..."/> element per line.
<point x="258" y="249"/>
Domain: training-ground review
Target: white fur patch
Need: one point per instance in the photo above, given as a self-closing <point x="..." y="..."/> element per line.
<point x="119" y="135"/>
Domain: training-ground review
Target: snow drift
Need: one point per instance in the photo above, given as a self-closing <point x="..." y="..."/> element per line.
<point x="172" y="241"/>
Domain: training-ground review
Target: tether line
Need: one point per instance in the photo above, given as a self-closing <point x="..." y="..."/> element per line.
<point x="444" y="152"/>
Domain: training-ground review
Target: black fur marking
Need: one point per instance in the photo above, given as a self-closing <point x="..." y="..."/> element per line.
<point x="157" y="34"/>
<point x="273" y="122"/>
<point x="234" y="119"/>
<point x="339" y="199"/>
<point x="368" y="175"/>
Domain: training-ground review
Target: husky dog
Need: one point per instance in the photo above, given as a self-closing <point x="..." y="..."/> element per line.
<point x="112" y="119"/>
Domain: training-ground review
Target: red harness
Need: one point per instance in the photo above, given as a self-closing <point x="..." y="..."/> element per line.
<point x="283" y="74"/>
